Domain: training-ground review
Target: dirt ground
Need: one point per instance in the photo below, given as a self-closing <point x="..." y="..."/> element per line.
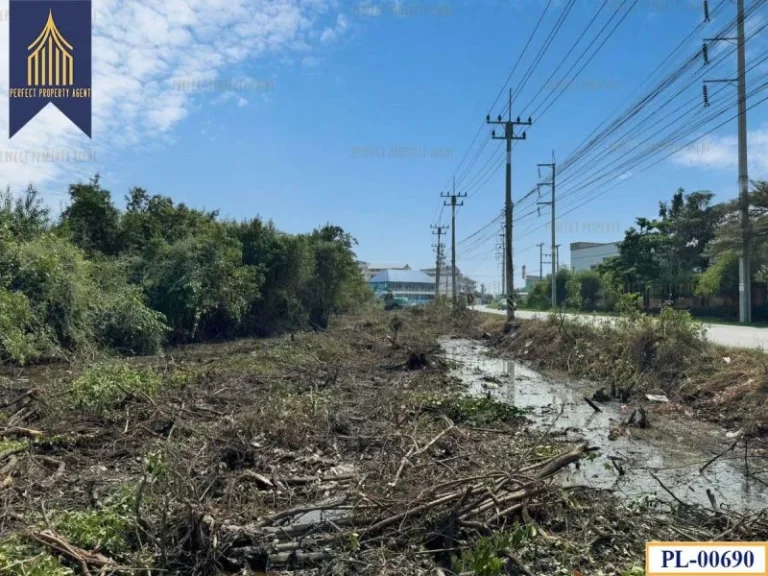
<point x="349" y="451"/>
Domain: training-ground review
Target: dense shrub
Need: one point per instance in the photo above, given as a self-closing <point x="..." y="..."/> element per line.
<point x="158" y="272"/>
<point x="22" y="335"/>
<point x="107" y="386"/>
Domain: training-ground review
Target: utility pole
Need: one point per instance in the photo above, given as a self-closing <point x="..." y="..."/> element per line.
<point x="509" y="136"/>
<point x="541" y="260"/>
<point x="503" y="263"/>
<point x="553" y="166"/>
<point x="745" y="272"/>
<point x="439" y="230"/>
<point x="453" y="204"/>
<point x="556" y="261"/>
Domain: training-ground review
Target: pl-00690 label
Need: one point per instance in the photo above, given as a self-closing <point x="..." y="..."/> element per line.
<point x="711" y="558"/>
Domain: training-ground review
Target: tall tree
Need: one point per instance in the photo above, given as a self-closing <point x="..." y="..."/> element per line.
<point x="91" y="220"/>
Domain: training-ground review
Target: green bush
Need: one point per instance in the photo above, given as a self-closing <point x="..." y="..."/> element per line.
<point x="127" y="325"/>
<point x="23" y="337"/>
<point x="106" y="386"/>
<point x="56" y="279"/>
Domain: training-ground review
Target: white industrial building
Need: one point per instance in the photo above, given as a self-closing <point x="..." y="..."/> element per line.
<point x="588" y="255"/>
<point x="369" y="270"/>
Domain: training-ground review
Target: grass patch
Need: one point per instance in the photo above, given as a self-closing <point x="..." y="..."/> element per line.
<point x="478" y="411"/>
<point x="20" y="559"/>
<point x="108" y="529"/>
<point x="12" y="445"/>
<point x="108" y="386"/>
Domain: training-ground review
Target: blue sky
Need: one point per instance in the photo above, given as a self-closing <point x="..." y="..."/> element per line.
<point x="360" y="113"/>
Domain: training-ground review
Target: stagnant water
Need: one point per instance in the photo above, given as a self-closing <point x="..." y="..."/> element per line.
<point x="672" y="448"/>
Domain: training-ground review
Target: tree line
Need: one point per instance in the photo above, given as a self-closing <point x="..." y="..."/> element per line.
<point x="687" y="255"/>
<point x="157" y="272"/>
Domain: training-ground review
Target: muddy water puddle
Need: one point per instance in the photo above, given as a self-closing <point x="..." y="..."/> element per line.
<point x="672" y="448"/>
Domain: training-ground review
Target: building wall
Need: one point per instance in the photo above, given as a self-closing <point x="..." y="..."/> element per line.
<point x="589" y="258"/>
<point x="464" y="284"/>
<point x="415" y="292"/>
<point x="530" y="282"/>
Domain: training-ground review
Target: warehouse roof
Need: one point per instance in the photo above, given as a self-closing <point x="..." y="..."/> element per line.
<point x="411" y="276"/>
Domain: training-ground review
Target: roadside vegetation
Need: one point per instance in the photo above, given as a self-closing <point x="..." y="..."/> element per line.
<point x="98" y="279"/>
<point x="687" y="256"/>
<point x="634" y="354"/>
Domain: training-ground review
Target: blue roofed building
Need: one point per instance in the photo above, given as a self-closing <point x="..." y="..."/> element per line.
<point x="414" y="285"/>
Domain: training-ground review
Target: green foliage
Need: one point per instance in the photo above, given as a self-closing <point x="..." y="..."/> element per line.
<point x="127" y="325"/>
<point x="21" y="559"/>
<point x="56" y="279"/>
<point x="158" y="272"/>
<point x="485" y="559"/>
<point x="635" y="571"/>
<point x="201" y="286"/>
<point x="25" y="217"/>
<point x="722" y="277"/>
<point x="478" y="410"/>
<point x="574" y="300"/>
<point x="91" y="220"/>
<point x="22" y="336"/>
<point x="107" y="529"/>
<point x="106" y="386"/>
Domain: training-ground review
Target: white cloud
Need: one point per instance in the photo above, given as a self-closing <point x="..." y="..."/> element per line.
<point x="722" y="153"/>
<point x="331" y="34"/>
<point x="147" y="57"/>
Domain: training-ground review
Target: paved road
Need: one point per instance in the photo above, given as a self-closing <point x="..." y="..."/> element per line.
<point x="726" y="335"/>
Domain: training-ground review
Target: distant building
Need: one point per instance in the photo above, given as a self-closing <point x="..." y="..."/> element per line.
<point x="588" y="255"/>
<point x="531" y="282"/>
<point x="369" y="270"/>
<point x="464" y="284"/>
<point x="414" y="285"/>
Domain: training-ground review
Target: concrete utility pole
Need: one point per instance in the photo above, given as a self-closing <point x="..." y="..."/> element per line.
<point x="551" y="203"/>
<point x="453" y="204"/>
<point x="541" y="260"/>
<point x="503" y="263"/>
<point x="556" y="261"/>
<point x="745" y="272"/>
<point x="439" y="230"/>
<point x="509" y="136"/>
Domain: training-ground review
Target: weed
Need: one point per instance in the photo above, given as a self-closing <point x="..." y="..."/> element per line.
<point x="107" y="386"/>
<point x="471" y="409"/>
<point x="19" y="559"/>
<point x="14" y="445"/>
<point x="107" y="529"/>
<point x="485" y="559"/>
